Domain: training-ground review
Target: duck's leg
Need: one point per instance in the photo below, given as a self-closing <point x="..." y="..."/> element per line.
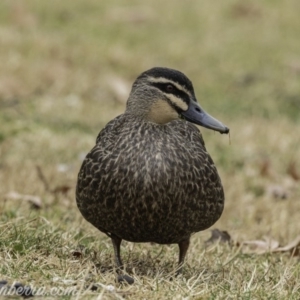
<point x="183" y="247"/>
<point x="116" y="241"/>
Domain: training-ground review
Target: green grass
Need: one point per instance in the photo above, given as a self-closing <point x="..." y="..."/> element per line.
<point x="61" y="66"/>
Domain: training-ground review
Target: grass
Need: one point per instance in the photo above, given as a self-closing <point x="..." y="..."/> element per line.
<point x="66" y="68"/>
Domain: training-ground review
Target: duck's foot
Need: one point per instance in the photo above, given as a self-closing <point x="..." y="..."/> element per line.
<point x="125" y="278"/>
<point x="176" y="275"/>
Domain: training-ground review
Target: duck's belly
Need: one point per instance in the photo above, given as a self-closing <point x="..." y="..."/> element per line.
<point x="158" y="202"/>
<point x="169" y="220"/>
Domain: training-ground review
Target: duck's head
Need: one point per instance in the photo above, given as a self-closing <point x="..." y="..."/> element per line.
<point x="161" y="95"/>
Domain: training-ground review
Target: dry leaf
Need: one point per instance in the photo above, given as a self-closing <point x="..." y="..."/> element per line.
<point x="245" y="10"/>
<point x="293" y="247"/>
<point x="61" y="189"/>
<point x="77" y="253"/>
<point x="42" y="178"/>
<point x="270" y="245"/>
<point x="277" y="192"/>
<point x="218" y="236"/>
<point x="261" y="246"/>
<point x="264" y="167"/>
<point x="35" y="201"/>
<point x="292" y="171"/>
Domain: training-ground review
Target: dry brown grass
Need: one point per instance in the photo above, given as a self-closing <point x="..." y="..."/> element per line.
<point x="66" y="67"/>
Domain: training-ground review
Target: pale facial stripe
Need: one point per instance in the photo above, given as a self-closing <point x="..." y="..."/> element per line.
<point x="165" y="80"/>
<point x="178" y="102"/>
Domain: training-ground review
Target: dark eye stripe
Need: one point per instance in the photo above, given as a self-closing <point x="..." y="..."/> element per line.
<point x="180" y="94"/>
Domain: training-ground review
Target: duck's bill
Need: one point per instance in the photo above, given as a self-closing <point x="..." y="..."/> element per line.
<point x="197" y="115"/>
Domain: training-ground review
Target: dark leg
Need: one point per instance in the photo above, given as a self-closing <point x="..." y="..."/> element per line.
<point x="183" y="247"/>
<point x="116" y="241"/>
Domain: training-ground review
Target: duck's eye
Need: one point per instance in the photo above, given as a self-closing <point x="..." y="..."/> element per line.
<point x="170" y="88"/>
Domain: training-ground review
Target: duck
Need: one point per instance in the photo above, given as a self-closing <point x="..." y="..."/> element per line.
<point x="149" y="177"/>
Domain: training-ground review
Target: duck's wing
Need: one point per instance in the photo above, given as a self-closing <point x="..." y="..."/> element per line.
<point x="91" y="168"/>
<point x="107" y="135"/>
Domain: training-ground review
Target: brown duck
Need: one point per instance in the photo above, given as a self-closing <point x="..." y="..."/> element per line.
<point x="149" y="178"/>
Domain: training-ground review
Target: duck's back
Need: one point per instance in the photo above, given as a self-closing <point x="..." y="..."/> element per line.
<point x="147" y="182"/>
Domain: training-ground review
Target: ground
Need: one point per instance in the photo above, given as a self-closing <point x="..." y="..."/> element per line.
<point x="66" y="70"/>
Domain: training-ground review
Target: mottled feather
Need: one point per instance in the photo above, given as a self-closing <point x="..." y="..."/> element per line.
<point x="146" y="182"/>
